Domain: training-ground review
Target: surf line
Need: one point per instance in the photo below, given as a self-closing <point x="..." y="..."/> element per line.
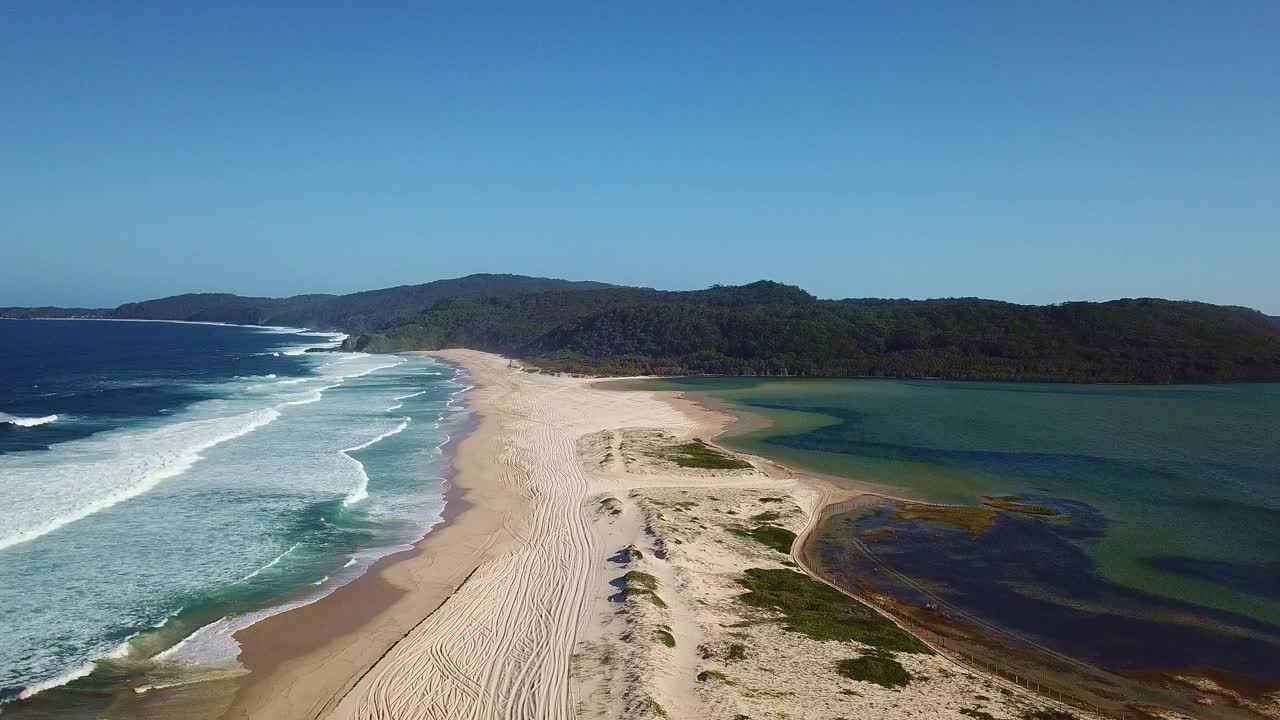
<point x="361" y="490"/>
<point x="27" y="421"/>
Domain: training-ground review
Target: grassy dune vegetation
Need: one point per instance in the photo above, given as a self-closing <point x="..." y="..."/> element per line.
<point x="815" y="609"/>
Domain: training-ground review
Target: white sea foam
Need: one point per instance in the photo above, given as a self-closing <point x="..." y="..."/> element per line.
<point x="275" y="561"/>
<point x="50" y="491"/>
<point x="27" y="421"/>
<point x="104" y="469"/>
<point x="63" y="679"/>
<point x="361" y="490"/>
<point x="215" y="642"/>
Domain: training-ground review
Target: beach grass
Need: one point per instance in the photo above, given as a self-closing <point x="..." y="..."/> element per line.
<point x="699" y="455"/>
<point x="665" y="637"/>
<point x="778" y="538"/>
<point x="880" y="669"/>
<point x="977" y="519"/>
<point x="821" y="612"/>
<point x="642" y="585"/>
<point x="1011" y="503"/>
<point x="714" y="676"/>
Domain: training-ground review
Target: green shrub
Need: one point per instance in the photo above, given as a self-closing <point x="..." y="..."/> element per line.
<point x="822" y="613"/>
<point x="642" y="584"/>
<point x="666" y="638"/>
<point x="879" y="669"/>
<point x="779" y="539"/>
<point x="698" y="454"/>
<point x="713" y="676"/>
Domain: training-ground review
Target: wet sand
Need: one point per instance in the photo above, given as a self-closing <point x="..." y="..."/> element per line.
<point x="302" y="662"/>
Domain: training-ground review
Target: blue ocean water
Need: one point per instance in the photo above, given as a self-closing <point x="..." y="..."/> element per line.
<point x="164" y="485"/>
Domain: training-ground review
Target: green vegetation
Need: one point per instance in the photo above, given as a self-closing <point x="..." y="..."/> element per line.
<point x="764" y="328"/>
<point x="611" y="505"/>
<point x="714" y="676"/>
<point x="779" y="539"/>
<point x="665" y="637"/>
<point x="698" y="454"/>
<point x="641" y="584"/>
<point x="770" y="329"/>
<point x="822" y="613"/>
<point x="355" y="313"/>
<point x="1010" y="503"/>
<point x="977" y="714"/>
<point x="633" y="553"/>
<point x="766" y="517"/>
<point x="880" y="669"/>
<point x="977" y="519"/>
<point x="736" y="651"/>
<point x="652" y="706"/>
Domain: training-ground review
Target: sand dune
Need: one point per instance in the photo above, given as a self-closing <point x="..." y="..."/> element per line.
<point x="561" y="475"/>
<point x="501" y="646"/>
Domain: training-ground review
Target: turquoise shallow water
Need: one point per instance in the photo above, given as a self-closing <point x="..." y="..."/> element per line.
<point x="194" y="480"/>
<point x="1180" y="486"/>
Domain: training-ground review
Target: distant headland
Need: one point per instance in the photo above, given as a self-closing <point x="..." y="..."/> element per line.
<point x="762" y="328"/>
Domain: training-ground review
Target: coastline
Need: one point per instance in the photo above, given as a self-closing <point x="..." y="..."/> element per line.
<point x="145" y="651"/>
<point x="499" y="609"/>
<point x="982" y="646"/>
<point x="296" y="671"/>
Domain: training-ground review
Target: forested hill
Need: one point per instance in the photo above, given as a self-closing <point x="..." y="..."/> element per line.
<point x="764" y="328"/>
<point x="770" y="329"/>
<point x="356" y="312"/>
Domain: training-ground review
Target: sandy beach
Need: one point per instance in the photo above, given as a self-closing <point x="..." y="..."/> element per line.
<point x="519" y="606"/>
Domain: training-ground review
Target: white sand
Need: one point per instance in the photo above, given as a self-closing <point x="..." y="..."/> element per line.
<point x="538" y="631"/>
<point x="501" y="645"/>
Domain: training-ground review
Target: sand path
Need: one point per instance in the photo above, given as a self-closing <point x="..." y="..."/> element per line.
<point x="501" y="646"/>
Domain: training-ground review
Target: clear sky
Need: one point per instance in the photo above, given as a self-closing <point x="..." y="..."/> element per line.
<point x="1028" y="151"/>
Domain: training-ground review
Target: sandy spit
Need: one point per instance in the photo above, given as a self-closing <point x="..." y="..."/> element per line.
<point x="512" y="610"/>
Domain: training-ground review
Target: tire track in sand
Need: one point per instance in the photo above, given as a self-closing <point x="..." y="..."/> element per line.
<point x="502" y="646"/>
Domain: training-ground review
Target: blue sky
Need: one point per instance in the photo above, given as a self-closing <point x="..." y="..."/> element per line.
<point x="1034" y="152"/>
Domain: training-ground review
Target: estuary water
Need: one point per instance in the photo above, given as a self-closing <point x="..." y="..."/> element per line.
<point x="1165" y="553"/>
<point x="163" y="485"/>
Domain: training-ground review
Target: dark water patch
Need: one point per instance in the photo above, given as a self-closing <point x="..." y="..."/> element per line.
<point x="1145" y="392"/>
<point x="854" y="435"/>
<point x="1261" y="579"/>
<point x="1031" y="576"/>
<point x="99" y="376"/>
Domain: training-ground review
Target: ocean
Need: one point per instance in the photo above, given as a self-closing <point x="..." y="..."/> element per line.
<point x="1165" y="554"/>
<point x="166" y="484"/>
